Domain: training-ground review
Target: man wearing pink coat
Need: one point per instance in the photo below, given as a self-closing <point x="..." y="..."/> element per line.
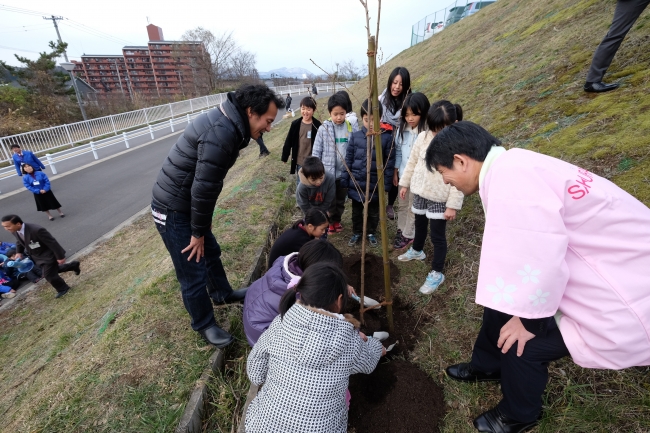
<point x="565" y="270"/>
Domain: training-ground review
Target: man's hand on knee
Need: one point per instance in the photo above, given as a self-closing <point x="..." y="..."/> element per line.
<point x="511" y="333"/>
<point x="195" y="247"/>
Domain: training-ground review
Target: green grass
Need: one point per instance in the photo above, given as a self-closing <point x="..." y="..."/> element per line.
<point x="117" y="354"/>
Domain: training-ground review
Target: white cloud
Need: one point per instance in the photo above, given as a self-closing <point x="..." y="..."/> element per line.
<point x="283" y="33"/>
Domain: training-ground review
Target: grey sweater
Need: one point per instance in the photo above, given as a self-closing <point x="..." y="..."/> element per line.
<point x="318" y="197"/>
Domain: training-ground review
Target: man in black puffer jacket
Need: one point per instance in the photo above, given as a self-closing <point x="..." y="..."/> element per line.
<point x="186" y="192"/>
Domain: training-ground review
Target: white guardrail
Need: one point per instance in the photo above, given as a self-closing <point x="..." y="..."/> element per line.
<point x="145" y="121"/>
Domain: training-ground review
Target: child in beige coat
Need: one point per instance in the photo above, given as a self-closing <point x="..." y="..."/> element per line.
<point x="434" y="202"/>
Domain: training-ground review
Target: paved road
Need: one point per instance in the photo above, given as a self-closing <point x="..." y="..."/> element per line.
<point x="98" y="198"/>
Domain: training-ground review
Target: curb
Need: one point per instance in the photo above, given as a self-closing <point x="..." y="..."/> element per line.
<point x="192" y="419"/>
<point x="8" y="303"/>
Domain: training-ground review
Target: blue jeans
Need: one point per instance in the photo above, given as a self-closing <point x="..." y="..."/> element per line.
<point x="194" y="277"/>
<point x="298" y="167"/>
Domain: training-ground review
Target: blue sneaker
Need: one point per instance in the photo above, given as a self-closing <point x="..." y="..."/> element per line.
<point x="411" y="254"/>
<point x="372" y="240"/>
<point x="433" y="281"/>
<point x="354" y="240"/>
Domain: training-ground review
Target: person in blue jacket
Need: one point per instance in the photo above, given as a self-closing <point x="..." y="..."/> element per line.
<point x="25" y="157"/>
<point x="38" y="183"/>
<point x="356" y="160"/>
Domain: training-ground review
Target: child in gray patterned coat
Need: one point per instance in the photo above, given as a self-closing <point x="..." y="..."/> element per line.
<point x="305" y="358"/>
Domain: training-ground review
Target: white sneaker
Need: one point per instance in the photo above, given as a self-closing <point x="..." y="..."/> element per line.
<point x="433" y="281"/>
<point x="411" y="254"/>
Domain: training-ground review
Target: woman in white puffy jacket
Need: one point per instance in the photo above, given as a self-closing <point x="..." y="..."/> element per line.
<point x="305" y="358"/>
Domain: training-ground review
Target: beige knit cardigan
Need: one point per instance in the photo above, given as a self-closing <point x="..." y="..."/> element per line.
<point x="428" y="184"/>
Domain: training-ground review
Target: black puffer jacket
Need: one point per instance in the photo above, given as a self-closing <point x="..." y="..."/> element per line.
<point x="191" y="177"/>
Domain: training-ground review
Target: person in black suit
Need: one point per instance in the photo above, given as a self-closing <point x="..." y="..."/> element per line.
<point x="44" y="250"/>
<point x="625" y="15"/>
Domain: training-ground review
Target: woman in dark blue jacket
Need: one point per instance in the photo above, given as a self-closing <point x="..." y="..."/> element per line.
<point x="356" y="160"/>
<point x="38" y="183"/>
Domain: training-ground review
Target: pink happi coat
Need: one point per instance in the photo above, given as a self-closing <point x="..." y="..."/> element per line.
<point x="562" y="241"/>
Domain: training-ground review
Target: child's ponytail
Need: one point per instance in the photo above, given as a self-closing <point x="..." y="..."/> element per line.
<point x="320" y="287"/>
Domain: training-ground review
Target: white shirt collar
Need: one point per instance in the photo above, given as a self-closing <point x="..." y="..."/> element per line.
<point x="22" y="231"/>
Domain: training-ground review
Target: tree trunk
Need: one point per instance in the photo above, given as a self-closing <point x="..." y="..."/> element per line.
<point x="374" y="111"/>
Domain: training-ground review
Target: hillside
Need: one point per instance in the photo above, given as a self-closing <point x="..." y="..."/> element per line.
<point x="518" y="68"/>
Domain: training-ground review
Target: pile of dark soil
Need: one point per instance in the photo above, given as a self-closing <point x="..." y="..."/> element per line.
<point x="397" y="396"/>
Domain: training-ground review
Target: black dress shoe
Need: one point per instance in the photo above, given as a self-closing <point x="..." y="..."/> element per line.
<point x="600" y="87"/>
<point x="62" y="293"/>
<point x="216" y="336"/>
<point x="233" y="297"/>
<point x="493" y="421"/>
<point x="464" y="372"/>
<point x="76" y="268"/>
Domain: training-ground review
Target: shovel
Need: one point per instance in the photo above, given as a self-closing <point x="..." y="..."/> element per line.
<point x="369" y="302"/>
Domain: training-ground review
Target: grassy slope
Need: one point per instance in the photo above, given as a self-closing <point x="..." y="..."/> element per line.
<point x="117" y="353"/>
<point x="517" y="68"/>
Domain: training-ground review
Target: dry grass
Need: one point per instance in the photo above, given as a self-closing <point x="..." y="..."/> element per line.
<point x="117" y="353"/>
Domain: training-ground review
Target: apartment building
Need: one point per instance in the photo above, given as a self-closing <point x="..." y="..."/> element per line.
<point x="156" y="69"/>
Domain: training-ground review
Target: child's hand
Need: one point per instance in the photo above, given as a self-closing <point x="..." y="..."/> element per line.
<point x="383" y="351"/>
<point x="450" y="214"/>
<point x="402" y="193"/>
<point x="351" y="291"/>
<point x="395" y="178"/>
<point x="363" y="336"/>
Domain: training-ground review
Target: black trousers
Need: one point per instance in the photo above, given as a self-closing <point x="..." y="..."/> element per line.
<point x="338" y="205"/>
<point x="523" y="379"/>
<point x="51" y="271"/>
<point x="625" y="15"/>
<point x="438" y="239"/>
<point x="263" y="148"/>
<point x="357" y="217"/>
<point x="392" y="195"/>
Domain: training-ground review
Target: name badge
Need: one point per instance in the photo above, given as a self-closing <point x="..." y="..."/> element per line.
<point x="309" y="134"/>
<point x="36" y="182"/>
<point x="34" y="245"/>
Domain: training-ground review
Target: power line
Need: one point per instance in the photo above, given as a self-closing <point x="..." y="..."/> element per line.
<point x="21" y="11"/>
<point x="27" y="30"/>
<point x="97" y="33"/>
<point x="18" y="49"/>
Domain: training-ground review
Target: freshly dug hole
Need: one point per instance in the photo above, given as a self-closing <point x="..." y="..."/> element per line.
<point x="397" y="396"/>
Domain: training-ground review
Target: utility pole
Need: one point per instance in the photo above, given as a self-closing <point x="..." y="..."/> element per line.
<point x="72" y="77"/>
<point x="56" y="27"/>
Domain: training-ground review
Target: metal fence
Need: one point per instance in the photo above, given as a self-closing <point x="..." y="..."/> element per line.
<point x="440" y="20"/>
<point x="69" y="135"/>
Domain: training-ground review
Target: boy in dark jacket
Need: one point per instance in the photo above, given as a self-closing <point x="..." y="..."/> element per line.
<point x="301" y="136"/>
<point x="317" y="188"/>
<point x="356" y="159"/>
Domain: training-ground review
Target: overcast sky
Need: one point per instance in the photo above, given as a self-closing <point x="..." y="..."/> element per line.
<point x="283" y="33"/>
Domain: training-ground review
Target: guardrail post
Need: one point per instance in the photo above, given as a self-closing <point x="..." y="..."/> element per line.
<point x="171" y="125"/>
<point x="92" y="146"/>
<point x="126" y="139"/>
<point x="4" y="151"/>
<point x="67" y="131"/>
<point x="113" y="123"/>
<point x="191" y="107"/>
<point x="171" y="111"/>
<point x="50" y="161"/>
<point x="151" y="132"/>
<point x="188" y="118"/>
<point x="207" y="102"/>
<point x="144" y="110"/>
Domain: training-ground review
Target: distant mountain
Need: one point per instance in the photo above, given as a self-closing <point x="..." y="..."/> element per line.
<point x="287" y="73"/>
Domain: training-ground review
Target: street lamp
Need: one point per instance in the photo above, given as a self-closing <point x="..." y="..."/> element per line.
<point x="70" y="67"/>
